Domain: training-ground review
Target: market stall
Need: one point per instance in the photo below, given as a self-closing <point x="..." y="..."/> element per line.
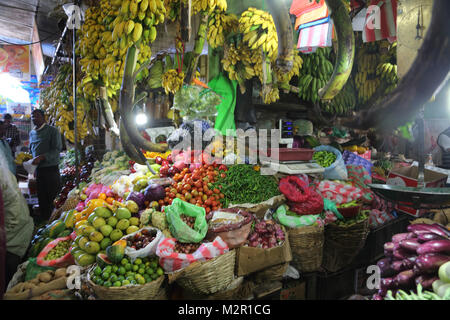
<point x="206" y="158"/>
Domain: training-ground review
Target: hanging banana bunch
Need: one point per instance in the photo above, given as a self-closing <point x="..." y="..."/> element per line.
<point x="259" y="31"/>
<point x="344" y="102"/>
<point x="285" y="78"/>
<point x="208" y="5"/>
<point x="387" y="68"/>
<point x="219" y="25"/>
<point x="366" y="79"/>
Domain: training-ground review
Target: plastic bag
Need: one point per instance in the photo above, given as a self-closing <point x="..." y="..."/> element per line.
<point x="178" y="228"/>
<point x="234" y="234"/>
<point x="338" y="170"/>
<point x="63" y="261"/>
<point x="338" y="192"/>
<point x="149" y="249"/>
<point x="172" y="261"/>
<point x="303" y="199"/>
<point x="194" y="102"/>
<point x="282" y="216"/>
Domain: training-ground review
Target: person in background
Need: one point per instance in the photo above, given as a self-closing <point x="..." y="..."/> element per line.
<point x="45" y="146"/>
<point x="443" y="141"/>
<point x="12" y="133"/>
<point x="5" y="149"/>
<point x="16" y="224"/>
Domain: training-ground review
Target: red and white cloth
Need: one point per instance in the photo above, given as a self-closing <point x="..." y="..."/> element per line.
<point x="338" y="192"/>
<point x="381" y="21"/>
<point x="172" y="261"/>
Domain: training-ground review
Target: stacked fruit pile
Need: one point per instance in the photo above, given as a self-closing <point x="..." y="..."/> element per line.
<point x="316" y="70"/>
<point x="102" y="228"/>
<point x="139" y="272"/>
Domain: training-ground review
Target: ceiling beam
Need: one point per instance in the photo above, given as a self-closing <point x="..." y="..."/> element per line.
<point x="19" y="32"/>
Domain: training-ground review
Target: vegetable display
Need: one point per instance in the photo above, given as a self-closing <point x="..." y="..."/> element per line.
<point x="324" y="158"/>
<point x="414" y="260"/>
<point x="61" y="249"/>
<point x="242" y="184"/>
<point x="266" y="234"/>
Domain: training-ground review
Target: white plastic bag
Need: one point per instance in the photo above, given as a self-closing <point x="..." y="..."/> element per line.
<point x="148" y="250"/>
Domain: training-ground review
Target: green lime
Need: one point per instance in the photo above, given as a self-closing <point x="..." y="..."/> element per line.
<point x="147" y="278"/>
<point x="107" y="269"/>
<point x="125" y="282"/>
<point x="147" y="264"/>
<point x="154" y="265"/>
<point x="97" y="271"/>
<point x="133" y="282"/>
<point x="105" y="275"/>
<point x="140" y="280"/>
<point x="107" y="284"/>
<point x="124" y="261"/>
<point x="120" y="278"/>
<point x="122" y="270"/>
<point x="94" y="278"/>
<point x="135" y="268"/>
<point x="128" y="266"/>
<point x="141" y="271"/>
<point x="138" y="261"/>
<point x="160" y="271"/>
<point x="117" y="284"/>
<point x="149" y="271"/>
<point x="113" y="278"/>
<point x="115" y="268"/>
<point x="99" y="282"/>
<point x="155" y="276"/>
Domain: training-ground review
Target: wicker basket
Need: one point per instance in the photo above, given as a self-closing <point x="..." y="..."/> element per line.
<point x="273" y="273"/>
<point x="307" y="247"/>
<point x="148" y="291"/>
<point x="207" y="277"/>
<point x="343" y="243"/>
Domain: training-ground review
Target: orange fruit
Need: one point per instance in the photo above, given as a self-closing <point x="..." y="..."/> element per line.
<point x="102" y="196"/>
<point x="110" y="200"/>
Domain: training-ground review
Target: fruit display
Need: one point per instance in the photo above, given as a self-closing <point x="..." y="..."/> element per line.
<point x="102" y="229"/>
<point x="57" y="101"/>
<point x="127" y="273"/>
<point x="113" y="165"/>
<point x="266" y="234"/>
<point x="220" y="24"/>
<point x="60" y="250"/>
<point x="23" y="157"/>
<point x="344" y="101"/>
<point x="316" y="70"/>
<point x="186" y="248"/>
<point x="141" y="239"/>
<point x="324" y="158"/>
<point x="196" y="187"/>
<point x="172" y="80"/>
<point x="110" y="28"/>
<point x="208" y="5"/>
<point x="416" y="257"/>
<point x="387" y="68"/>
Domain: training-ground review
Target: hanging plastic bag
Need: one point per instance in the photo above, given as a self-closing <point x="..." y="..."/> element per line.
<point x="178" y="228"/>
<point x="172" y="261"/>
<point x="149" y="249"/>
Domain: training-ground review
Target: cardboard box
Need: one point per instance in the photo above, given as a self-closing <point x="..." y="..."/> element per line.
<point x="407" y="177"/>
<point x="294" y="292"/>
<point x="249" y="259"/>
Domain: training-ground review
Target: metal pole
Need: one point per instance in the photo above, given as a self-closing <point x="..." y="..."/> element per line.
<point x="74" y="81"/>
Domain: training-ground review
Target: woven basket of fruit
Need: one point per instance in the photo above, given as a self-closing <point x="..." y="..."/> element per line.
<point x="343" y="241"/>
<point x="144" y="284"/>
<point x="208" y="277"/>
<point x="307" y="247"/>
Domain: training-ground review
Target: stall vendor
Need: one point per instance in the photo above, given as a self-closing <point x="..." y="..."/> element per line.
<point x="45" y="146"/>
<point x="12" y="133"/>
<point x="444" y="142"/>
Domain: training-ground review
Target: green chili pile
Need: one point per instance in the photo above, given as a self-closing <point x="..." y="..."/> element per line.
<point x="243" y="184"/>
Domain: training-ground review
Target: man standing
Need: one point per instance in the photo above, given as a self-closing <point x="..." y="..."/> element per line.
<point x="45" y="146"/>
<point x="5" y="149"/>
<point x="12" y="133"/>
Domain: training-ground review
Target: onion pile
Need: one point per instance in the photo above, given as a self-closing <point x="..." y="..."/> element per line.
<point x="266" y="234"/>
<point x="190" y="221"/>
<point x="141" y="239"/>
<point x="186" y="248"/>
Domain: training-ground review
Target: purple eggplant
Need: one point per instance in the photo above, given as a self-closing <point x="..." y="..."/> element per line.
<point x="399" y="237"/>
<point x="377" y="297"/>
<point x="389" y="246"/>
<point x="405" y="279"/>
<point x="422" y="228"/>
<point x="426" y="280"/>
<point x="398" y="266"/>
<point x="434" y="246"/>
<point x="409" y="262"/>
<point x="428" y="237"/>
<point x="401" y="254"/>
<point x="430" y="262"/>
<point x="385" y="267"/>
<point x="387" y="284"/>
<point x="409" y="244"/>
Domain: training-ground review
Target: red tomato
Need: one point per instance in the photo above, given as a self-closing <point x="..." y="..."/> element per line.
<point x="200" y="189"/>
<point x="198" y="184"/>
<point x="223" y="175"/>
<point x="187" y="186"/>
<point x="172" y="195"/>
<point x="193" y="201"/>
<point x="214" y="208"/>
<point x="223" y="167"/>
<point x="209" y="192"/>
<point x="194" y="192"/>
<point x="208" y="202"/>
<point x="208" y="209"/>
<point x="161" y="202"/>
<point x="216" y="191"/>
<point x="221" y="196"/>
<point x="199" y="203"/>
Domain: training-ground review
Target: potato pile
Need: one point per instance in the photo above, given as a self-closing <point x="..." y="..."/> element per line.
<point x="42" y="283"/>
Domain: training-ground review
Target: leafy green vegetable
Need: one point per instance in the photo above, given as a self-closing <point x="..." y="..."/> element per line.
<point x="194" y="102"/>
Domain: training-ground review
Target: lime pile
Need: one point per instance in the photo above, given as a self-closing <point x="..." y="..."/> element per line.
<point x="324" y="158"/>
<point x="60" y="250"/>
<point x="103" y="228"/>
<point x="141" y="271"/>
